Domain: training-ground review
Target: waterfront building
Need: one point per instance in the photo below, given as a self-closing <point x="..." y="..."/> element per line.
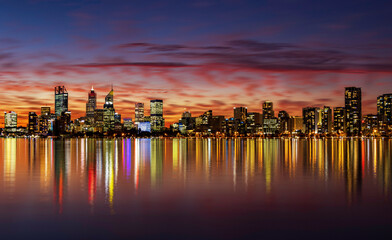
<point x="128" y="124"/>
<point x="109" y="112"/>
<point x="311" y="118"/>
<point x="139" y="112"/>
<point x="384" y="111"/>
<point x="91" y="104"/>
<point x="370" y="124"/>
<point x="326" y="120"/>
<point x="268" y="110"/>
<point x="60" y="100"/>
<point x="10" y="121"/>
<point x="353" y="106"/>
<point x="254" y="122"/>
<point x="284" y="121"/>
<point x="296" y="124"/>
<point x="339" y="119"/>
<point x="156" y="114"/>
<point x="32" y="123"/>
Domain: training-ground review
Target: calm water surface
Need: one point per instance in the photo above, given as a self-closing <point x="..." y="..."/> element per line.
<point x="195" y="188"/>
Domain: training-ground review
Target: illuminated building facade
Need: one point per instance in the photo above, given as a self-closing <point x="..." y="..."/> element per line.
<point x="156" y="114"/>
<point x="139" y="112"/>
<point x="311" y="118"/>
<point x="254" y="122"/>
<point x="353" y="106"/>
<point x="33" y="123"/>
<point x="91" y="104"/>
<point x="339" y="119"/>
<point x="268" y="110"/>
<point x="109" y="112"/>
<point x="60" y="100"/>
<point x="284" y="121"/>
<point x="384" y="111"/>
<point x="10" y="121"/>
<point x="326" y="120"/>
<point x="370" y="124"/>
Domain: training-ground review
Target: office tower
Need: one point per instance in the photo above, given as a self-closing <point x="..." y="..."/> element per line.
<point x="91" y="104"/>
<point x="10" y="121"/>
<point x="268" y="110"/>
<point x="384" y="111"/>
<point x="60" y="100"/>
<point x="240" y="113"/>
<point x="98" y="120"/>
<point x="156" y="114"/>
<point x="109" y="112"/>
<point x="33" y="123"/>
<point x="283" y="120"/>
<point x="44" y="121"/>
<point x="311" y="118"/>
<point x="139" y="112"/>
<point x="297" y="124"/>
<point x="326" y="120"/>
<point x="353" y="106"/>
<point x="117" y="118"/>
<point x="254" y="122"/>
<point x="339" y="119"/>
<point x="370" y="124"/>
<point x="217" y="123"/>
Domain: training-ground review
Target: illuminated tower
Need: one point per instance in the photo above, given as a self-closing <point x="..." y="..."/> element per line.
<point x="156" y="112"/>
<point x="91" y="104"/>
<point x="326" y="120"/>
<point x="10" y="120"/>
<point x="139" y="112"/>
<point x="33" y="122"/>
<point x="310" y="119"/>
<point x="240" y="114"/>
<point x="268" y="110"/>
<point x="384" y="111"/>
<point x="353" y="106"/>
<point x="60" y="100"/>
<point x="109" y="112"/>
<point x="339" y="119"/>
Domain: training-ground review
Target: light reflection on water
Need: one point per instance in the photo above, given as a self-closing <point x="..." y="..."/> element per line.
<point x="123" y="176"/>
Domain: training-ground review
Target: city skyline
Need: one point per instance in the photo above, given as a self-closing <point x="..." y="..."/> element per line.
<point x="222" y="55"/>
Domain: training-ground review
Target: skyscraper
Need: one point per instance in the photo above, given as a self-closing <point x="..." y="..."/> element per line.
<point x="310" y="119"/>
<point x="268" y="110"/>
<point x="283" y="120"/>
<point x="109" y="112"/>
<point x="139" y="112"/>
<point x="339" y="119"/>
<point x="384" y="111"/>
<point x="91" y="104"/>
<point x="60" y="100"/>
<point x="353" y="106"/>
<point x="156" y="112"/>
<point x="326" y="120"/>
<point x="10" y="120"/>
<point x="33" y="123"/>
<point x="240" y="114"/>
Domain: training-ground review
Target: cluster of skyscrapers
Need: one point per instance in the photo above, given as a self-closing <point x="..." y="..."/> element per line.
<point x="324" y="121"/>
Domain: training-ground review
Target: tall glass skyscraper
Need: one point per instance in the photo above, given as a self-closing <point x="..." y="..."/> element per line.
<point x="109" y="112"/>
<point x="353" y="106"/>
<point x="156" y="112"/>
<point x="139" y="112"/>
<point x="91" y="104"/>
<point x="60" y="100"/>
<point x="384" y="111"/>
<point x="268" y="110"/>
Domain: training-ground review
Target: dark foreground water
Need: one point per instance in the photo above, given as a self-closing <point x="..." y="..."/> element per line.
<point x="195" y="188"/>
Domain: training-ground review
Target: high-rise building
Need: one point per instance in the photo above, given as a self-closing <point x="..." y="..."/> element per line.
<point x="384" y="111"/>
<point x="139" y="112"/>
<point x="297" y="124"/>
<point x="187" y="120"/>
<point x="326" y="120"/>
<point x="339" y="119"/>
<point x="370" y="124"/>
<point x="60" y="100"/>
<point x="311" y="118"/>
<point x="156" y="114"/>
<point x="45" y="111"/>
<point x="109" y="112"/>
<point x="33" y="123"/>
<point x="254" y="122"/>
<point x="91" y="104"/>
<point x="10" y="121"/>
<point x="268" y="110"/>
<point x="283" y="120"/>
<point x="353" y="106"/>
<point x="240" y="113"/>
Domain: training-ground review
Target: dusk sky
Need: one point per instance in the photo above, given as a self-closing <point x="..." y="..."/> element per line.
<point x="195" y="55"/>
